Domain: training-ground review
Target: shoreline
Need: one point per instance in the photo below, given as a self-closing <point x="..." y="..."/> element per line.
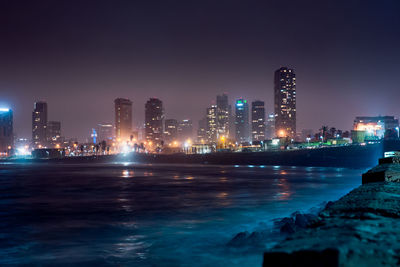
<point x="344" y="156"/>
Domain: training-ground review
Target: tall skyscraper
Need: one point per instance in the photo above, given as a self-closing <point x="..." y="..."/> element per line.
<point x="171" y="130"/>
<point x="154" y="121"/>
<point x="6" y="131"/>
<point x="39" y="124"/>
<point x="53" y="132"/>
<point x="285" y="102"/>
<point x="258" y="120"/>
<point x="123" y="119"/>
<point x="185" y="130"/>
<point x="223" y="113"/>
<point x="242" y="121"/>
<point x="211" y="124"/>
<point x="270" y="127"/>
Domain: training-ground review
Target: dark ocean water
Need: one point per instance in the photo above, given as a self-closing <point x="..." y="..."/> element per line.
<point x="130" y="214"/>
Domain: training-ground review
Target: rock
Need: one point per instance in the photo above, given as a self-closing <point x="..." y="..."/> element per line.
<point x="301" y="220"/>
<point x="256" y="238"/>
<point x="288" y="228"/>
<point x="384" y="172"/>
<point x="360" y="229"/>
<point x="239" y="239"/>
<point x="245" y="239"/>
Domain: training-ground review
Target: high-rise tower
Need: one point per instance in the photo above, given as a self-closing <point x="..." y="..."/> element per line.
<point x="223" y="113"/>
<point x="285" y="102"/>
<point x="211" y="124"/>
<point x="6" y="131"/>
<point x="123" y="119"/>
<point x="171" y="130"/>
<point x="154" y="121"/>
<point x="242" y="121"/>
<point x="39" y="124"/>
<point x="258" y="120"/>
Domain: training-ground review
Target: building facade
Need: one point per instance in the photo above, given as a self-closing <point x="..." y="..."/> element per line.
<point x="211" y="124"/>
<point x="53" y="132"/>
<point x="6" y="132"/>
<point x="171" y="130"/>
<point x="270" y="127"/>
<point x="105" y="132"/>
<point x="258" y="120"/>
<point x="242" y="121"/>
<point x="202" y="131"/>
<point x="285" y="102"/>
<point x="223" y="113"/>
<point x="123" y="119"/>
<point x="185" y="130"/>
<point x="39" y="124"/>
<point x="154" y="121"/>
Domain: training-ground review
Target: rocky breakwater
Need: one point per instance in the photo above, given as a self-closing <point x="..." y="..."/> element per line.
<point x="360" y="229"/>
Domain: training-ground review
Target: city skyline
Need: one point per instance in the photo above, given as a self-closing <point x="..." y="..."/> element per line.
<point x="78" y="72"/>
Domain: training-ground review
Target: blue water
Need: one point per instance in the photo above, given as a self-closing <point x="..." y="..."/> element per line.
<point x="150" y="215"/>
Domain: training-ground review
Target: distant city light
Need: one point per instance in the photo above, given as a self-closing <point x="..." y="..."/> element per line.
<point x="22" y="151"/>
<point x="275" y="142"/>
<point x="125" y="149"/>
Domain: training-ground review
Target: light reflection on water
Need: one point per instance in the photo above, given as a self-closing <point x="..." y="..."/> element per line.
<point x="127" y="173"/>
<point x="150" y="215"/>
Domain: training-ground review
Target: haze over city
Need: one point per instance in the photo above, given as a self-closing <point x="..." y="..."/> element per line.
<point x="79" y="57"/>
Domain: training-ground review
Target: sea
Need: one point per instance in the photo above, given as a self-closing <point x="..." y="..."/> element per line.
<point x="130" y="214"/>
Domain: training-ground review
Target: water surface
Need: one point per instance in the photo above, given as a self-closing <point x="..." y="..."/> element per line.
<point x="150" y="215"/>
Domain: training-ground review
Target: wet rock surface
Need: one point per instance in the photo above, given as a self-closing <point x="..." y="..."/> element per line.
<point x="360" y="229"/>
<point x="281" y="228"/>
<point x="387" y="171"/>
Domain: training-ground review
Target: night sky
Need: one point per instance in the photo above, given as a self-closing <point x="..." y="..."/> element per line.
<point x="81" y="55"/>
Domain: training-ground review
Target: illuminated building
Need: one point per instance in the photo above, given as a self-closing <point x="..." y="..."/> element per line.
<point x="223" y="114"/>
<point x="185" y="130"/>
<point x="270" y="127"/>
<point x="211" y="124"/>
<point x="39" y="124"/>
<point x="201" y="149"/>
<point x="285" y="102"/>
<point x="171" y="130"/>
<point x="123" y="119"/>
<point x="374" y="128"/>
<point x="242" y="121"/>
<point x="6" y="131"/>
<point x="202" y="131"/>
<point x="154" y="121"/>
<point x="104" y="132"/>
<point x="258" y="121"/>
<point x="53" y="132"/>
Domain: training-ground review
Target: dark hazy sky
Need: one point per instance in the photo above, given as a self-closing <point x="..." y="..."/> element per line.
<point x="80" y="55"/>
